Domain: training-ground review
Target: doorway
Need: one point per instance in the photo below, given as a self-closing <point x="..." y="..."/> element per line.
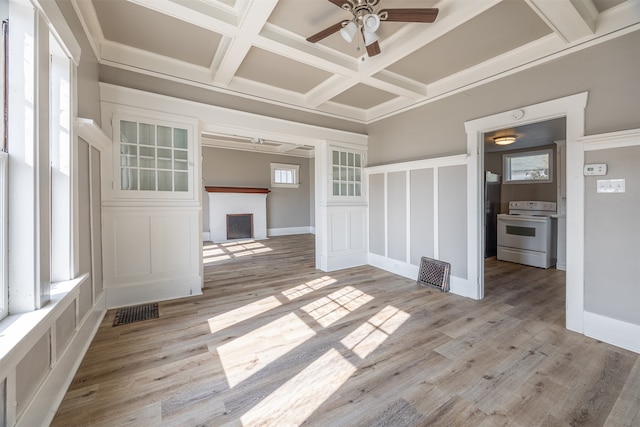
<point x="572" y="108"/>
<point x="528" y="169"/>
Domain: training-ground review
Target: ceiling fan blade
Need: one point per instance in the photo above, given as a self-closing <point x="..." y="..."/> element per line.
<point x="344" y="4"/>
<point x="326" y="32"/>
<point x="373" y="49"/>
<point x="426" y="15"/>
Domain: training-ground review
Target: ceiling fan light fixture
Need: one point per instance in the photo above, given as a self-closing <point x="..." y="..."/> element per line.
<point x="369" y="38"/>
<point x="504" y="140"/>
<point x="348" y="31"/>
<point x="371" y="22"/>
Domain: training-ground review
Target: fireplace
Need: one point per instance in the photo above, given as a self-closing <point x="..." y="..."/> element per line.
<point x="236" y="203"/>
<point x="239" y="226"/>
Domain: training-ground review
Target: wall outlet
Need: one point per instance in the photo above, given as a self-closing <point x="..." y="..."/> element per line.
<point x="611" y="186"/>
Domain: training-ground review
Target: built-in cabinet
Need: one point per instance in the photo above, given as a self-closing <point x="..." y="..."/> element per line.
<point x="151" y="209"/>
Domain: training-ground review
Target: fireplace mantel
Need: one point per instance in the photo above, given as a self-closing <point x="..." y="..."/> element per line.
<point x="242" y="190"/>
<point x="225" y="201"/>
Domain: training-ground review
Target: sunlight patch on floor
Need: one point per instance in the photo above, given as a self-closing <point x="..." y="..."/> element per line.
<point x="248" y="354"/>
<point x="328" y="310"/>
<point x="370" y="335"/>
<point x="211" y="260"/>
<point x="310" y="286"/>
<point x="223" y="251"/>
<point x="298" y="398"/>
<point x="243" y="313"/>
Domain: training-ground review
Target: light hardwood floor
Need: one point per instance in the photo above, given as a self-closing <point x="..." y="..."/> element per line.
<point x="275" y="342"/>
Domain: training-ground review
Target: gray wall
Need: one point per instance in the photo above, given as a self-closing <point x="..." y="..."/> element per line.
<point x="88" y="69"/>
<point x="612" y="224"/>
<point x="609" y="72"/>
<point x="376" y="214"/>
<point x="547" y="192"/>
<point x="397" y="215"/>
<point x="452" y="218"/>
<point x="286" y="207"/>
<point x="437" y="129"/>
<point x="422" y="219"/>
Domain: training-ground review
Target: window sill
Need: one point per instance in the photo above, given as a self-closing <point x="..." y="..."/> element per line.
<point x="15" y="328"/>
<point x="275" y="185"/>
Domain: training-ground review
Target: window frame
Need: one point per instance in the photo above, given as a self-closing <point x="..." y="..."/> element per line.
<point x="358" y="174"/>
<point x="506" y="166"/>
<point x="293" y="168"/>
<point x="119" y="192"/>
<point x="4" y="177"/>
<point x="4" y="226"/>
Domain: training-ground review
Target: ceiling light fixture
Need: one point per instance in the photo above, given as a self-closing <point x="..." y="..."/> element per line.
<point x="257" y="140"/>
<point x="504" y="140"/>
<point x="364" y="19"/>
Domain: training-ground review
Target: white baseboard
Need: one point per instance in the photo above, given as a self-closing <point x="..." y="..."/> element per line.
<point x="272" y="232"/>
<point x="157" y="290"/>
<point x="47" y="399"/>
<point x="288" y="231"/>
<point x="457" y="285"/>
<point x="612" y="331"/>
<point x="340" y="262"/>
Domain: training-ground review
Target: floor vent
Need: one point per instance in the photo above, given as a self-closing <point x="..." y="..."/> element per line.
<point x="136" y="313"/>
<point x="434" y="273"/>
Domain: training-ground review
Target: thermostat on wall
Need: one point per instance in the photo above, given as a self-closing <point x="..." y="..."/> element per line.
<point x="595" y="169"/>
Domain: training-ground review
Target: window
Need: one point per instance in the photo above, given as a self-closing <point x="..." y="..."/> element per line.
<point x="347" y="173"/>
<point x="60" y="161"/>
<point x="284" y="175"/>
<point x="154" y="157"/>
<point x="528" y="167"/>
<point x="4" y="295"/>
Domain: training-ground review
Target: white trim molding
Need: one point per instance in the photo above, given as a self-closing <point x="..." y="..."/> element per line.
<point x="572" y="107"/>
<point x="289" y="231"/>
<point x="404" y="267"/>
<point x="622" y="334"/>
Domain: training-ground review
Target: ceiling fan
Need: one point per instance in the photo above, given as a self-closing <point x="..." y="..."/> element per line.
<point x="368" y="21"/>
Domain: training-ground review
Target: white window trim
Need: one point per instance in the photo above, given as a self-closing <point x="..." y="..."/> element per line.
<point x="118" y="193"/>
<point x="506" y="167"/>
<point x="289" y="167"/>
<point x="344" y="197"/>
<point x="4" y="213"/>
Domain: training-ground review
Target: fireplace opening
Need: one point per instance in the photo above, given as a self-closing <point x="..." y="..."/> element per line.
<point x="239" y="226"/>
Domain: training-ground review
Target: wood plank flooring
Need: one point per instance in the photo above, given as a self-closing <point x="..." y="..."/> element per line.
<point x="274" y="342"/>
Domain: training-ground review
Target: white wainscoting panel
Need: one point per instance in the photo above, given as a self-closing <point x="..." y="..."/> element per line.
<point x="348" y="237"/>
<point x="150" y="254"/>
<point x="415" y="227"/>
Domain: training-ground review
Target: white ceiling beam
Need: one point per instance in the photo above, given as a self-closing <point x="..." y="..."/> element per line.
<point x="255" y="16"/>
<point x="571" y="20"/>
<point x="328" y="89"/>
<point x="222" y="21"/>
<point x="405" y="41"/>
<point x="287" y="147"/>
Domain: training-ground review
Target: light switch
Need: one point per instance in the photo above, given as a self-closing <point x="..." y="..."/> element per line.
<point x="611" y="186"/>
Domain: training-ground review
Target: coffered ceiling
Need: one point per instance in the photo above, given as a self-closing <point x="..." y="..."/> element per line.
<point x="258" y="48"/>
